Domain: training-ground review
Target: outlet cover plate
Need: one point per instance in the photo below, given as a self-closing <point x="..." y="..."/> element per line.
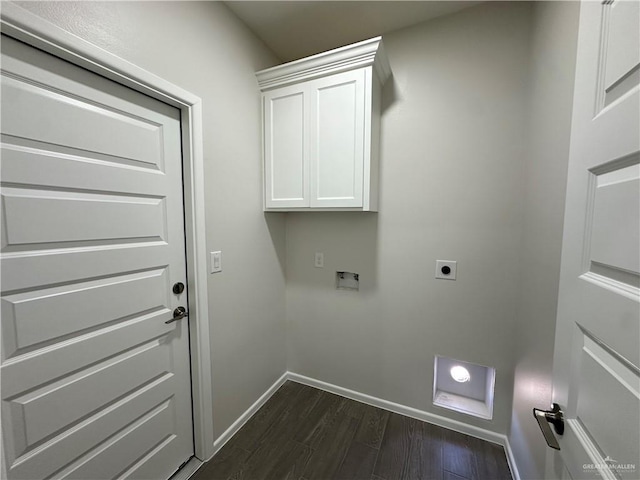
<point x="215" y="262"/>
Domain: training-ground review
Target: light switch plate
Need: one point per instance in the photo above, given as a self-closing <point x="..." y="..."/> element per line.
<point x="446" y="269"/>
<point x="216" y="262"/>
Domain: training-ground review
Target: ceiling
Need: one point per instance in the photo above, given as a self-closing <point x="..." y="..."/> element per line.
<point x="295" y="29"/>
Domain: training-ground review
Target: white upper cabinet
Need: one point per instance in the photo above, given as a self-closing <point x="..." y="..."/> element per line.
<point x="321" y="126"/>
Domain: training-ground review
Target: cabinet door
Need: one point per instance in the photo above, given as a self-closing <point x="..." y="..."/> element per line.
<point x="286" y="148"/>
<point x="337" y="154"/>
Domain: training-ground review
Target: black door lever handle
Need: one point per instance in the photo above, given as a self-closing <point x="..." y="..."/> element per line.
<point x="178" y="314"/>
<point x="553" y="417"/>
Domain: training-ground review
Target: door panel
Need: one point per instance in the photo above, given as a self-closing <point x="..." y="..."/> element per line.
<point x="35" y="215"/>
<point x="615" y="209"/>
<point x="75" y="396"/>
<point x="286" y="148"/>
<point x="117" y="417"/>
<point x="139" y="140"/>
<point x="29" y="161"/>
<point x="64" y="356"/>
<point x="146" y="433"/>
<point x="597" y="356"/>
<point x="604" y="380"/>
<point x="337" y="158"/>
<point x="620" y="50"/>
<point x="93" y="307"/>
<point x="95" y="384"/>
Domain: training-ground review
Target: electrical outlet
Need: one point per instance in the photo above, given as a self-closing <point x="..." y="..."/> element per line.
<point x="446" y="269"/>
<point x="318" y="261"/>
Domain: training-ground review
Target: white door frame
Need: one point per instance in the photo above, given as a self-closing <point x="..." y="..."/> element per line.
<point x="27" y="27"/>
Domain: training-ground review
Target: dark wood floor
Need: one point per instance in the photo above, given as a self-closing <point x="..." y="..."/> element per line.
<point x="303" y="433"/>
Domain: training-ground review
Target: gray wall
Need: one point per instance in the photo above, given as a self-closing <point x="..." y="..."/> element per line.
<point x="452" y="173"/>
<point x="552" y="66"/>
<point x="474" y="151"/>
<point x="204" y="48"/>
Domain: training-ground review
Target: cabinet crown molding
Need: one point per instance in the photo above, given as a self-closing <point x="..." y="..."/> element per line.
<point x="358" y="55"/>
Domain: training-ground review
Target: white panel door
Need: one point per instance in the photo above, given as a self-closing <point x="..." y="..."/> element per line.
<point x="286" y="148"/>
<point x="597" y="353"/>
<point x="337" y="152"/>
<point x="95" y="384"/>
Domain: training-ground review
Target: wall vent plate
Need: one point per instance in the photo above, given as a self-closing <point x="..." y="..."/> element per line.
<point x="446" y="269"/>
<point x="347" y="281"/>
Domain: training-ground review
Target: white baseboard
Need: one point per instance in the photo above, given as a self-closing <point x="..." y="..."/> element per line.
<point x="244" y="418"/>
<point x="444" y="422"/>
<point x="511" y="459"/>
<point x="402" y="409"/>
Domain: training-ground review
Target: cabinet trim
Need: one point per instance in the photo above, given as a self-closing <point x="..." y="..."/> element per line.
<point x="358" y="55"/>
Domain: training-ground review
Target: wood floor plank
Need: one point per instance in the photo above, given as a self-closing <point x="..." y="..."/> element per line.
<point x="491" y="460"/>
<point x="457" y="456"/>
<point x="503" y="464"/>
<point x="270" y="448"/>
<point x="453" y="476"/>
<point x="395" y="447"/>
<point x="486" y="464"/>
<point x="353" y="408"/>
<point x="358" y="462"/>
<point x="249" y="435"/>
<point x="425" y="456"/>
<point x="372" y="426"/>
<point x="319" y="420"/>
<point x="292" y="465"/>
<point x="332" y="449"/>
<point x="223" y="464"/>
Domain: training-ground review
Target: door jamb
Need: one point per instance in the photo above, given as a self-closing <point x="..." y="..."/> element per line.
<point x="33" y="30"/>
